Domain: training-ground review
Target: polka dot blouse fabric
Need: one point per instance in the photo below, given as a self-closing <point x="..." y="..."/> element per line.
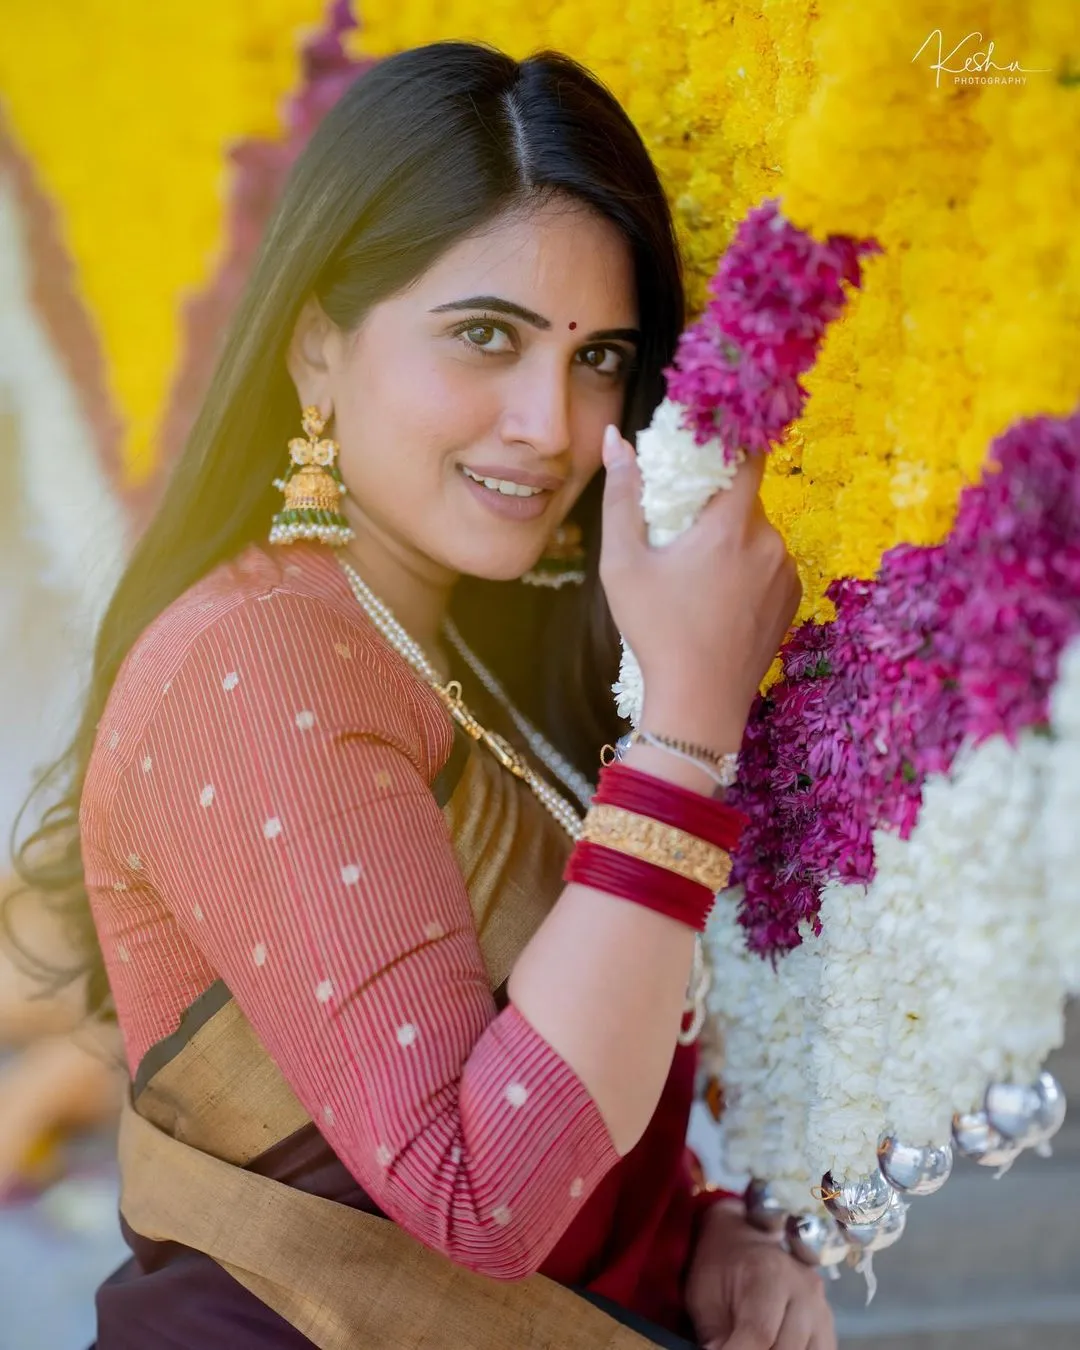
<point x="258" y="809"/>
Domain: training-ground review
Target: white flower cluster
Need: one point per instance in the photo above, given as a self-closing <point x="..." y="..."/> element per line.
<point x="843" y="1110"/>
<point x="947" y="972"/>
<point x="960" y="942"/>
<point x="1061" y="820"/>
<point x="766" y="1023"/>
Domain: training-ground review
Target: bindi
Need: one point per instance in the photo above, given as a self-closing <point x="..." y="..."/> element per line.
<point x="573" y="326"/>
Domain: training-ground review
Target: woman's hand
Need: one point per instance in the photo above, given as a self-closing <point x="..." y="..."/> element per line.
<point x="744" y="1292"/>
<point x="706" y="614"/>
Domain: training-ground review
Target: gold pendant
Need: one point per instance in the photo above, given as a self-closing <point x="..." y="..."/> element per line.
<point x="451" y="695"/>
<point x="505" y="753"/>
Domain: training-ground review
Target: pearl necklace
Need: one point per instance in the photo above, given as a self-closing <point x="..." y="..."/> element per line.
<point x="449" y="694"/>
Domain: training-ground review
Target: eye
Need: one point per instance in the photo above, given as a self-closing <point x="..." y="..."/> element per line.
<point x="483" y="336"/>
<point x="611" y="361"/>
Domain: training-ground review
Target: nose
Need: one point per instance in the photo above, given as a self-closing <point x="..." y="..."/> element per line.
<point x="536" y="411"/>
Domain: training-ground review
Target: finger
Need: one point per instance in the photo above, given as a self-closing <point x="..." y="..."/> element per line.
<point x="748" y="1338"/>
<point x="798" y="1327"/>
<point x="759" y="1315"/>
<point x="714" y="1330"/>
<point x="824" y="1337"/>
<point x="740" y="501"/>
<point x="748" y="477"/>
<point x="624" y="527"/>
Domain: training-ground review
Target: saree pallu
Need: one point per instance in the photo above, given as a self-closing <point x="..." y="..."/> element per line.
<point x="247" y="1231"/>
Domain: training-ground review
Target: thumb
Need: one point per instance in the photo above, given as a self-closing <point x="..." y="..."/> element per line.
<point x="715" y="1329"/>
<point x="624" y="520"/>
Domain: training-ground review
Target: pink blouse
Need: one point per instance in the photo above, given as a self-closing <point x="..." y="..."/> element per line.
<point x="258" y="809"/>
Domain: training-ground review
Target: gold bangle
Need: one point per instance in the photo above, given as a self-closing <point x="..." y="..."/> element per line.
<point x="663" y="845"/>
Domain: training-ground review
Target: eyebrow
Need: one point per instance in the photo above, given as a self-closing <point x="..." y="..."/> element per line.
<point x="529" y="316"/>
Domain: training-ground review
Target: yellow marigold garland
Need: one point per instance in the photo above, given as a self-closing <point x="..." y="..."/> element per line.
<point x="972" y="190"/>
<point x="126" y="110"/>
<point x="967" y="321"/>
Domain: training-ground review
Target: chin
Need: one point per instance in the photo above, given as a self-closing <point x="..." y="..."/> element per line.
<point x="497" y="569"/>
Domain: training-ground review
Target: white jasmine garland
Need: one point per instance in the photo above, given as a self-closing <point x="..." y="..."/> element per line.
<point x="844" y="1112"/>
<point x="1061" y="820"/>
<point x="962" y="932"/>
<point x="766" y="1019"/>
<point x="943" y="974"/>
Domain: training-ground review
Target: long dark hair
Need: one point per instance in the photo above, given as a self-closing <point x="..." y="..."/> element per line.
<point x="422" y="149"/>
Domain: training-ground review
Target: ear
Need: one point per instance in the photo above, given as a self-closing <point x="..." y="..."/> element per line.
<point x="309" y="358"/>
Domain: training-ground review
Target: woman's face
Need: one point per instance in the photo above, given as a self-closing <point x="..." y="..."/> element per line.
<point x="470" y="407"/>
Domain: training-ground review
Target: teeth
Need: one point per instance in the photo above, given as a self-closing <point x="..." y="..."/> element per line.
<point x="503" y="485"/>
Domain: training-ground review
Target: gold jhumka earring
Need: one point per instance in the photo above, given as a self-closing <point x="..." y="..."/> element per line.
<point x="313" y="489"/>
<point x="563" y="561"/>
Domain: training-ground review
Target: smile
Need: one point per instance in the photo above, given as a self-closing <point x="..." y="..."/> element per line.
<point x="507" y="498"/>
<point x="503" y="485"/>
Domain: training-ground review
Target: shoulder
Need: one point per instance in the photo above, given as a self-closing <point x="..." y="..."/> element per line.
<point x="278" y="636"/>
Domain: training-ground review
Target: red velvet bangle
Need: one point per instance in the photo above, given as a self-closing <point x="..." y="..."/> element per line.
<point x="642" y="882"/>
<point x="705" y="817"/>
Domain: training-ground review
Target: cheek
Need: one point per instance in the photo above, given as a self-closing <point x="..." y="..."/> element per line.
<point x="440" y="405"/>
<point x="592" y="415"/>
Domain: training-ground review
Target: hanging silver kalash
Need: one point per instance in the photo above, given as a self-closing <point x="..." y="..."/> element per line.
<point x="869" y="1214"/>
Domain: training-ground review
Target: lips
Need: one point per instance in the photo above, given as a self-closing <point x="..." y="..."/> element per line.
<point x="505" y="505"/>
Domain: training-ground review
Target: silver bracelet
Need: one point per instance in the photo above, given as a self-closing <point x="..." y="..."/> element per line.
<point x="723" y="777"/>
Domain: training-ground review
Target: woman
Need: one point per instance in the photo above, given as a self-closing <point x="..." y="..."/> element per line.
<point x="394" y="1084"/>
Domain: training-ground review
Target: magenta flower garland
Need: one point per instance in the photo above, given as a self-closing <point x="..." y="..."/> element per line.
<point x="734" y="384"/>
<point x="776" y="290"/>
<point x="948" y="644"/>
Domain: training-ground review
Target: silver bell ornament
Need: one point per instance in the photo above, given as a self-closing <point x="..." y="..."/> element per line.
<point x="816" y="1240"/>
<point x="913" y="1170"/>
<point x="977" y="1139"/>
<point x="763" y="1209"/>
<point x="868" y="1238"/>
<point x="1052" y="1107"/>
<point x="863" y="1200"/>
<point x="1012" y="1109"/>
<point x="875" y="1237"/>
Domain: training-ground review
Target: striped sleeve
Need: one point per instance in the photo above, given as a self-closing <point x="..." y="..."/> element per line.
<point x="287" y="823"/>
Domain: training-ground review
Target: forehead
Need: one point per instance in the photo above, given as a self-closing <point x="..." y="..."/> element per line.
<point x="554" y="258"/>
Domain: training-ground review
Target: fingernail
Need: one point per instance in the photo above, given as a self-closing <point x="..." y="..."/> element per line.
<point x="612" y="448"/>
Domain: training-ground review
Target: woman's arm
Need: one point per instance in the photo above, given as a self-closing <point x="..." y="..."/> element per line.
<point x="604" y="980"/>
